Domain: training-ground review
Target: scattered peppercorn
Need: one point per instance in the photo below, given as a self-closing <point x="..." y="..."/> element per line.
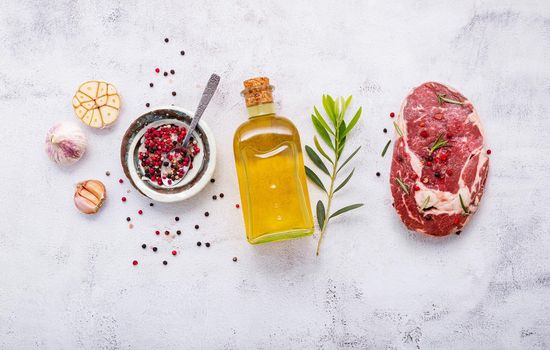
<point x="120" y="181"/>
<point x="165" y="262"/>
<point x="172" y="71"/>
<point x="488" y="151"/>
<point x="221" y="195"/>
<point x="212" y="180"/>
<point x="166" y="40"/>
<point x="173" y="93"/>
<point x="157" y="232"/>
<point x="178" y="232"/>
<point x="196" y="227"/>
<point x="157" y="70"/>
<point x="151" y="85"/>
<point x="174" y="252"/>
<point x="437" y="174"/>
<point x="235" y="258"/>
<point x="123" y="199"/>
<point x="182" y="52"/>
<point x="207" y="244"/>
<point x="237" y="206"/>
<point x="458" y="232"/>
<point x="385" y="130"/>
<point x="144" y="246"/>
<point x="128" y="218"/>
<point x="177" y="218"/>
<point x="206" y="214"/>
<point x="140" y="212"/>
<point x="392" y="115"/>
<point x="377" y="173"/>
<point x="135" y="262"/>
<point x="214" y="197"/>
<point x="147" y="104"/>
<point x="151" y="204"/>
<point x="167" y="232"/>
<point x="165" y="74"/>
<point x="199" y="244"/>
<point x="155" y="249"/>
<point x="107" y="173"/>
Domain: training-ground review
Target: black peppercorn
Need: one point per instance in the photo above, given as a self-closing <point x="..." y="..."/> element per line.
<point x="206" y="214"/>
<point x="151" y="204"/>
<point x="207" y="244"/>
<point x="458" y="232"/>
<point x="165" y="74"/>
<point x="155" y="249"/>
<point x="144" y="246"/>
<point x="385" y="130"/>
<point x="234" y="258"/>
<point x="429" y="158"/>
<point x="377" y="173"/>
<point x="167" y="232"/>
<point x="178" y="232"/>
<point x="212" y="180"/>
<point x="437" y="174"/>
<point x="147" y="104"/>
<point x="166" y="40"/>
<point x="182" y="52"/>
<point x="151" y="84"/>
<point x="128" y="218"/>
<point x="172" y="71"/>
<point x="165" y="163"/>
<point x="214" y="197"/>
<point x="177" y="218"/>
<point x="199" y="244"/>
<point x="165" y="262"/>
<point x="221" y="195"/>
<point x="173" y="93"/>
<point x="196" y="227"/>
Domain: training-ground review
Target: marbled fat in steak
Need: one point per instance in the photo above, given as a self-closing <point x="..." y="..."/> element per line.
<point x="439" y="164"/>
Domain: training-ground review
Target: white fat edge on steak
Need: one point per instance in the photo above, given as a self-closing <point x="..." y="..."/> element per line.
<point x="443" y="202"/>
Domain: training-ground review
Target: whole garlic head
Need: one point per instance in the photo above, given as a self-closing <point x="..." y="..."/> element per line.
<point x="65" y="143"/>
<point x="89" y="196"/>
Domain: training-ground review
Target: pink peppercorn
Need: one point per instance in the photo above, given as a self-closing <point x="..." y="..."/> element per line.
<point x="140" y="212"/>
<point x="174" y="252"/>
<point x="135" y="262"/>
<point x="392" y="115"/>
<point x="123" y="199"/>
<point x="488" y="151"/>
<point x="120" y="181"/>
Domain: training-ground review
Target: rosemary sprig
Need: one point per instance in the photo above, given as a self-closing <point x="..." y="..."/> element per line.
<point x="334" y="131"/>
<point x="398" y="129"/>
<point x="441" y="98"/>
<point x="439" y="142"/>
<point x="466" y="210"/>
<point x="403" y="185"/>
<point x="386" y="148"/>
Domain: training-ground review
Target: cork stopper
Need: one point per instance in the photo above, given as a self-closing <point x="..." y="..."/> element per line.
<point x="257" y="91"/>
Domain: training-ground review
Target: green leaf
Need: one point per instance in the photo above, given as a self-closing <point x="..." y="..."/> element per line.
<point x="345" y="209"/>
<point x="441" y="98"/>
<point x="466" y="210"/>
<point x="321" y="131"/>
<point x="320" y="214"/>
<point x="322" y="120"/>
<point x="403" y="185"/>
<point x="398" y="129"/>
<point x="386" y="148"/>
<point x="344" y="182"/>
<point x="425" y="203"/>
<point x="348" y="159"/>
<point x="321" y="150"/>
<point x="316" y="180"/>
<point x="353" y="121"/>
<point x="346" y="104"/>
<point x="316" y="160"/>
<point x="328" y="104"/>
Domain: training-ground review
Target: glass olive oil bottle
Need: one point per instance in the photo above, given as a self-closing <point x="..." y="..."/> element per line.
<point x="270" y="168"/>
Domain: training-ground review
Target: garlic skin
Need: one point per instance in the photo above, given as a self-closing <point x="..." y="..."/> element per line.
<point x="89" y="196"/>
<point x="65" y="143"/>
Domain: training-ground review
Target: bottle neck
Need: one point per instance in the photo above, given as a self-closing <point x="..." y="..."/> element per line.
<point x="261" y="109"/>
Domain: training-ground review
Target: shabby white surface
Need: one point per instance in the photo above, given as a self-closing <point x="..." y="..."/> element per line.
<point x="67" y="281"/>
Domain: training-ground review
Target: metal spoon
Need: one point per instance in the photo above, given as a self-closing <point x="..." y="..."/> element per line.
<point x="207" y="94"/>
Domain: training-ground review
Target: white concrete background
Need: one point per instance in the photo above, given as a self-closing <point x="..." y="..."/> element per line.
<point x="67" y="281"/>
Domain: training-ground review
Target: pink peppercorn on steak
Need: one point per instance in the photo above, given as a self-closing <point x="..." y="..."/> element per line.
<point x="439" y="164"/>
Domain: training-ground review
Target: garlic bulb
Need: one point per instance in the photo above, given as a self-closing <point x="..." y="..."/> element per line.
<point x="65" y="143"/>
<point x="89" y="196"/>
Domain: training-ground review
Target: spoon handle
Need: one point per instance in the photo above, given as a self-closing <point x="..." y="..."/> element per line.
<point x="207" y="94"/>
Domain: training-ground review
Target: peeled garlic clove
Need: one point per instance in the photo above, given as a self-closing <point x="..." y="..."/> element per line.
<point x="89" y="196"/>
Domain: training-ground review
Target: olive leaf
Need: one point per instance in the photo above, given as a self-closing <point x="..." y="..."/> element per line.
<point x="336" y="138"/>
<point x="316" y="160"/>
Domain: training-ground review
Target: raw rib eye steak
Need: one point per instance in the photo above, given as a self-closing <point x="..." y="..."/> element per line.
<point x="439" y="164"/>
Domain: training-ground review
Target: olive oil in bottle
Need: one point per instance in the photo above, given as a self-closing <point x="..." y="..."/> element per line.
<point x="270" y="168"/>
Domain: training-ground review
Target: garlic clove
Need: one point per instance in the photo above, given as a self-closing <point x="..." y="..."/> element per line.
<point x="89" y="196"/>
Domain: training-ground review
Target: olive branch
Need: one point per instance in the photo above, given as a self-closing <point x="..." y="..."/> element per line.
<point x="334" y="136"/>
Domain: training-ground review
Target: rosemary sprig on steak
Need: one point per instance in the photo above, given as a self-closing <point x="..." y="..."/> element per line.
<point x="403" y="185"/>
<point x="398" y="129"/>
<point x="466" y="210"/>
<point x="439" y="142"/>
<point x="441" y="98"/>
<point x="425" y="203"/>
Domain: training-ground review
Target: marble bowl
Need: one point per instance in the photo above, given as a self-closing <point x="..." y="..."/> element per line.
<point x="203" y="164"/>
